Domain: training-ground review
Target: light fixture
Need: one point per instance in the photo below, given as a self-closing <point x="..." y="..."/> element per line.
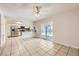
<point x="37" y="10"/>
<point x="18" y="23"/>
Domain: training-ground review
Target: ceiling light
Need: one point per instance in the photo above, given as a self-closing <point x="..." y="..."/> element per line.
<point x="37" y="15"/>
<point x="37" y="10"/>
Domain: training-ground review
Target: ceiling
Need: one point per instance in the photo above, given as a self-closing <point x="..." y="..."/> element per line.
<point x="25" y="11"/>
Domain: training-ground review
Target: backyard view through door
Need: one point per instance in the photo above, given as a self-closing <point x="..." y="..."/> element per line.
<point x="47" y="31"/>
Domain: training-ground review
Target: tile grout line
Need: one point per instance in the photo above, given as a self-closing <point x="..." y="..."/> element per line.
<point x="17" y="45"/>
<point x="11" y="48"/>
<point x="45" y="52"/>
<point x="39" y="53"/>
<point x="58" y="50"/>
<point x="22" y="45"/>
<point x="67" y="51"/>
<point x="25" y="47"/>
<point x="3" y="48"/>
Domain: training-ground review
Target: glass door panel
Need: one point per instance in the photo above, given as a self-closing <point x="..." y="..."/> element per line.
<point x="47" y="31"/>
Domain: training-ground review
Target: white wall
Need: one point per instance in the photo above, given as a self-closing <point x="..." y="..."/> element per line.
<point x="66" y="28"/>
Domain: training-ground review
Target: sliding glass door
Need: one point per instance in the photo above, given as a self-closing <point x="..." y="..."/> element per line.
<point x="47" y="31"/>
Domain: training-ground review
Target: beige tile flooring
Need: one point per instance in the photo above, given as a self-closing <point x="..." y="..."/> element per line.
<point x="17" y="46"/>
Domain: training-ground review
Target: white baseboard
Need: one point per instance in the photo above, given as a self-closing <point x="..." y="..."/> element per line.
<point x="68" y="45"/>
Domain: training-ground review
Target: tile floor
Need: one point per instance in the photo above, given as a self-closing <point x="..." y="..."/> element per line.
<point x="18" y="46"/>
